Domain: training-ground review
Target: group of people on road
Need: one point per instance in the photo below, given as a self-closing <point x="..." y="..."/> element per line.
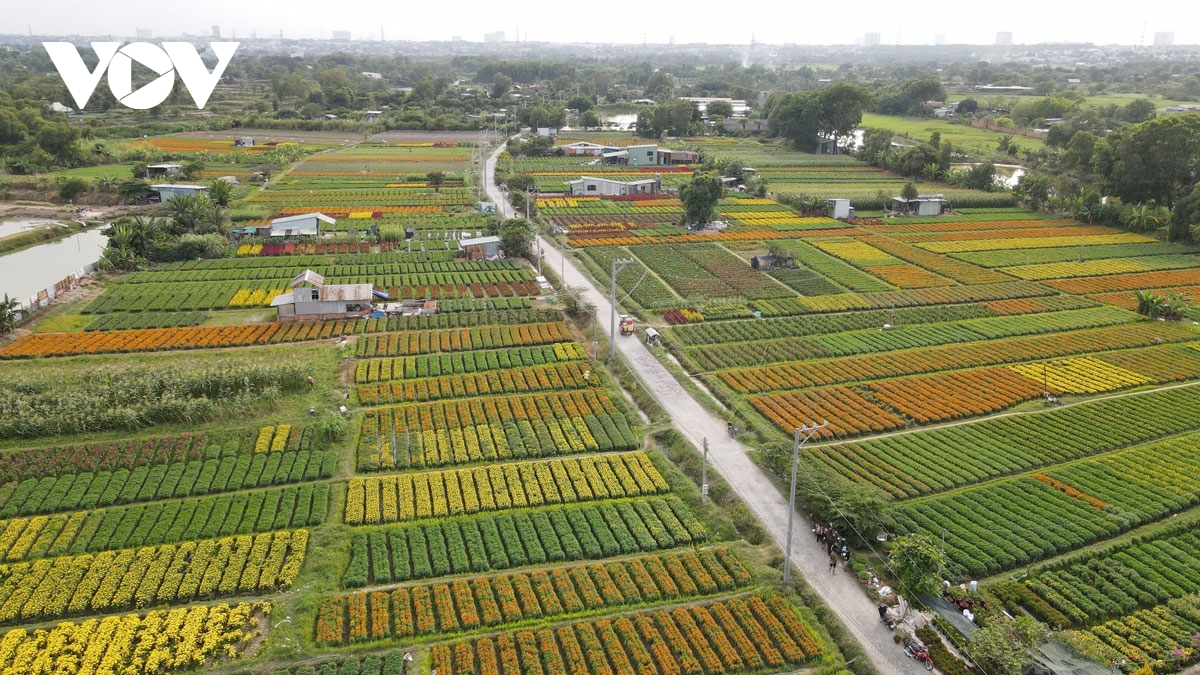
<point x="835" y="543"/>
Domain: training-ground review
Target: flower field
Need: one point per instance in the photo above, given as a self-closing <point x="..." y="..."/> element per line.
<point x="178" y="639"/>
<point x="908" y="465"/>
<point x="476" y="429"/>
<point x="484" y="542"/>
<point x="729" y="636"/>
<point x="508" y="381"/>
<point x="500" y="487"/>
<point x="465" y="604"/>
<point x="148" y="576"/>
<point x="417" y="367"/>
<point x="156" y="523"/>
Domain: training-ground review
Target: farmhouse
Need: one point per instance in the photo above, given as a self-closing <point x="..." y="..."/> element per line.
<point x="155" y="170"/>
<point x="168" y="190"/>
<point x="921" y="205"/>
<point x="481" y="248"/>
<point x="586" y="149"/>
<point x="825" y="146"/>
<point x="311" y="299"/>
<point x="592" y="186"/>
<point x="652" y="155"/>
<point x="303" y="225"/>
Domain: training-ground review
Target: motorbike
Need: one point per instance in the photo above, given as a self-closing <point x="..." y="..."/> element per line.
<point x="915" y="649"/>
<point x="886" y="617"/>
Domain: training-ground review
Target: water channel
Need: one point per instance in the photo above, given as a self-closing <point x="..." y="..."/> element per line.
<point x="24" y="273"/>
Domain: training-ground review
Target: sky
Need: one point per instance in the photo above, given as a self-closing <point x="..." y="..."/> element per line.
<point x="710" y="21"/>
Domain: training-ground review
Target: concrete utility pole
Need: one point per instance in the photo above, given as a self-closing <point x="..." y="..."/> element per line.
<point x="704" y="474"/>
<point x="809" y="430"/>
<point x="617" y="265"/>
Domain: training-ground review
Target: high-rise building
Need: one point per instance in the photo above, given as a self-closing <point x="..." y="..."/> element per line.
<point x="216" y="32"/>
<point x="498" y="36"/>
<point x="1164" y="38"/>
<point x="870" y="39"/>
<point x="1004" y="38"/>
<point x="145" y="34"/>
<point x="341" y="35"/>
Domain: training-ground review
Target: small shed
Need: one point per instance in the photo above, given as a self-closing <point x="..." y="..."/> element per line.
<point x="652" y="337"/>
<point x="825" y="146"/>
<point x="244" y="142"/>
<point x="167" y="190"/>
<point x="481" y="248"/>
<point x="302" y="225"/>
<point x="153" y="170"/>
<point x="921" y="205"/>
<point x="311" y="299"/>
<point x="839" y="209"/>
<point x="593" y="186"/>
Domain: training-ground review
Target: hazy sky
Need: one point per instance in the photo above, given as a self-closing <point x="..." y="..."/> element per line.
<point x="771" y="21"/>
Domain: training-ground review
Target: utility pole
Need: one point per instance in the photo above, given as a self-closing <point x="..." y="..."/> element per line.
<point x="809" y="430"/>
<point x="704" y="474"/>
<point x="617" y="265"/>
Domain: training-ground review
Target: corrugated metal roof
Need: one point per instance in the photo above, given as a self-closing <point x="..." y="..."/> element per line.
<point x="283" y="299"/>
<point x="347" y="293"/>
<point x="305" y="216"/>
<point x="309" y="277"/>
<point x="479" y="240"/>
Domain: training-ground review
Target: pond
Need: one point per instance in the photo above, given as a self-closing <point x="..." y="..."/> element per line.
<point x="1006" y="174"/>
<point x="9" y="227"/>
<point x="25" y="272"/>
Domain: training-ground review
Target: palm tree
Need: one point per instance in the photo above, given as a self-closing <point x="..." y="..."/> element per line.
<point x="1140" y="217"/>
<point x="220" y="192"/>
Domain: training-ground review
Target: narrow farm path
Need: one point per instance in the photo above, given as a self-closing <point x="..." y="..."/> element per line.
<point x="731" y="459"/>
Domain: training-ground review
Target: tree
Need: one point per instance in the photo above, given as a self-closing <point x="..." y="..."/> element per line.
<point x="967" y="106"/>
<point x="914" y="159"/>
<point x="501" y="83"/>
<point x="909" y="191"/>
<point x="982" y="177"/>
<point x="8" y="310"/>
<point x="876" y="142"/>
<point x="659" y="87"/>
<point x="516" y="236"/>
<point x="72" y="188"/>
<point x="436" y="179"/>
<point x="841" y="109"/>
<point x="1156" y="160"/>
<point x="918" y="563"/>
<point x="220" y="192"/>
<point x="1138" y="111"/>
<point x="699" y="197"/>
<point x="719" y="109"/>
<point x="1001" y="646"/>
<point x="58" y="140"/>
<point x="796" y="117"/>
<point x="1080" y="149"/>
<point x="589" y="120"/>
<point x="133" y="190"/>
<point x="579" y="104"/>
<point x="1033" y="189"/>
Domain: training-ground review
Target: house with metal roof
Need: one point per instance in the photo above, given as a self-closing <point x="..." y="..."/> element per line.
<point x="592" y="186"/>
<point x="311" y="299"/>
<point x="304" y="224"/>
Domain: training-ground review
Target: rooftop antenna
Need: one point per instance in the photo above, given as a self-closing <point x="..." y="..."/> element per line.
<point x="1142" y="36"/>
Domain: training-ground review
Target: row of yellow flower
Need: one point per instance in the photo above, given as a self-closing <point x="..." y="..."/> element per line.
<point x="159" y="642"/>
<point x="453" y="492"/>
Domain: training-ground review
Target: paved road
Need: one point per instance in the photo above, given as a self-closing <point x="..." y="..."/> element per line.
<point x="842" y="591"/>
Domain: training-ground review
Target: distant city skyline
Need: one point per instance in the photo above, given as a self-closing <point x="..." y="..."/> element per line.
<point x="922" y="23"/>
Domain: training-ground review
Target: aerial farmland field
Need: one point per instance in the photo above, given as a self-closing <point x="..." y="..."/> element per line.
<point x="985" y="369"/>
<point x="176" y="494"/>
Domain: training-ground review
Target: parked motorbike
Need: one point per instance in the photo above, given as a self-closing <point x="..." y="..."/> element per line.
<point x="886" y="616"/>
<point x="915" y="649"/>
